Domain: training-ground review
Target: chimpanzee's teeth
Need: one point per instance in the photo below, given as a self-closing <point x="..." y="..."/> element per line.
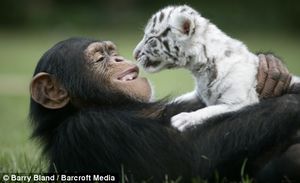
<point x="129" y="76"/>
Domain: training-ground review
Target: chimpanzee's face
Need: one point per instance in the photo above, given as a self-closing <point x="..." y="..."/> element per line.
<point x="118" y="73"/>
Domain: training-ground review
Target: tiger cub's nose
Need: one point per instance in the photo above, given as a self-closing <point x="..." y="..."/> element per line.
<point x="136" y="54"/>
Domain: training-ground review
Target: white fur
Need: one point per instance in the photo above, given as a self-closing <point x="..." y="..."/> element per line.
<point x="236" y="78"/>
<point x="205" y="52"/>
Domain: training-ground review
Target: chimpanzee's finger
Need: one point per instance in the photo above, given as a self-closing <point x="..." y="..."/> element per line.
<point x="272" y="78"/>
<point x="285" y="77"/>
<point x="262" y="73"/>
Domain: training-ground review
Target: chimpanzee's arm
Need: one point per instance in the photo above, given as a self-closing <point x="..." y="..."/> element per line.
<point x="224" y="142"/>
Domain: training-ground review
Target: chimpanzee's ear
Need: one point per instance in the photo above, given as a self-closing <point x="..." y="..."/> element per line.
<point x="47" y="91"/>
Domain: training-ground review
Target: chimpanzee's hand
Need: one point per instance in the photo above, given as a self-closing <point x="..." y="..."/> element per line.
<point x="273" y="77"/>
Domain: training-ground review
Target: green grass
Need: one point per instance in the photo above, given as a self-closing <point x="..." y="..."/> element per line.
<point x="20" y="50"/>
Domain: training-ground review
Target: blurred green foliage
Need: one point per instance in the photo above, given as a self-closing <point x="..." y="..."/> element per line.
<point x="30" y="27"/>
<point x="233" y="14"/>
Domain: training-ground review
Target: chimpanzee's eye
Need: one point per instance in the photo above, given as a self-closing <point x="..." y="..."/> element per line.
<point x="100" y="59"/>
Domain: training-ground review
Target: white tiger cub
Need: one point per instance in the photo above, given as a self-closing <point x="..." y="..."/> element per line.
<point x="224" y="69"/>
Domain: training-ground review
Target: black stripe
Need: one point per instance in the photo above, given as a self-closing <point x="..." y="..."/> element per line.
<point x="161" y="16"/>
<point x="155" y="52"/>
<point x="149" y="39"/>
<point x="177" y="50"/>
<point x="205" y="51"/>
<point x="213" y="73"/>
<point x="182" y="10"/>
<point x="166" y="44"/>
<point x="208" y="93"/>
<point x="219" y="96"/>
<point x="174" y="58"/>
<point x="165" y="33"/>
<point x="192" y="13"/>
<point x="154" y="23"/>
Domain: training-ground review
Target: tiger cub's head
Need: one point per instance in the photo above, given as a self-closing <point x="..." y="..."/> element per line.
<point x="170" y="38"/>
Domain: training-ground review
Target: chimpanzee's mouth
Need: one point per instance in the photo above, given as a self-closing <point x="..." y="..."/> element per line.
<point x="129" y="75"/>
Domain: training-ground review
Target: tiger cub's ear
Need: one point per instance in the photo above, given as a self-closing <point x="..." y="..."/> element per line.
<point x="183" y="23"/>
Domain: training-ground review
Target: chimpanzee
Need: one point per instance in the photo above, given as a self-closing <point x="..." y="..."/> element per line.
<point x="93" y="113"/>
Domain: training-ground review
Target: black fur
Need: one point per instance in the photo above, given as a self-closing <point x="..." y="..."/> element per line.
<point x="109" y="131"/>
